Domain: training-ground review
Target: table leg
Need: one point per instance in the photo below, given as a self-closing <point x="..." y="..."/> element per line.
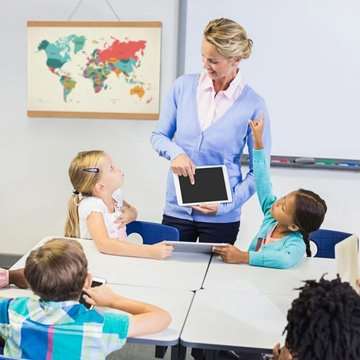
<point x="178" y="352"/>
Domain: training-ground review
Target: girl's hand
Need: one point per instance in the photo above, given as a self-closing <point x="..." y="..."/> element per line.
<point x="17" y="278"/>
<point x="207" y="209"/>
<point x="257" y="127"/>
<point x="129" y="214"/>
<point x="99" y="295"/>
<point x="281" y="353"/>
<point x="160" y="251"/>
<point x="231" y="254"/>
<point x="183" y="166"/>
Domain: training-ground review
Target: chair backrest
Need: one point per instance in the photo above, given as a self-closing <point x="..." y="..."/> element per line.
<point x="325" y="241"/>
<point x="153" y="233"/>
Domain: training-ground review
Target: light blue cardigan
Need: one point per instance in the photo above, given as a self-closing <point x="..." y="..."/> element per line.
<point x="178" y="131"/>
<point x="287" y="251"/>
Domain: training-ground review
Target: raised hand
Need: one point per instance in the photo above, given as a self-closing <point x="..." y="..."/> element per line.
<point x="257" y="127"/>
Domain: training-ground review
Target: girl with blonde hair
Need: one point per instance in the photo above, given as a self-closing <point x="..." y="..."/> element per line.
<point x="96" y="210"/>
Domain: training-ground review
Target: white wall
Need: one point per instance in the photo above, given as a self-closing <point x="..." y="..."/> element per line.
<point x="36" y="152"/>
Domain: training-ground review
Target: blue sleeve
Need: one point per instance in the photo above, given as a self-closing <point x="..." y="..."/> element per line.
<point x="262" y="180"/>
<point x="161" y="138"/>
<point x="116" y="323"/>
<point x="4" y="311"/>
<point x="115" y="330"/>
<point x="291" y="253"/>
<point x="243" y="191"/>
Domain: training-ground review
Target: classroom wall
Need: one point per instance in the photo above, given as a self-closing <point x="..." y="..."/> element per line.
<point x="36" y="152"/>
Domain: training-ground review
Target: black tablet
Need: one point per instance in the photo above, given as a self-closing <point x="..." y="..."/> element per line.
<point x="211" y="186"/>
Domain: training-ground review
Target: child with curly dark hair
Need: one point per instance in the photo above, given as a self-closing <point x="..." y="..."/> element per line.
<point x="323" y="323"/>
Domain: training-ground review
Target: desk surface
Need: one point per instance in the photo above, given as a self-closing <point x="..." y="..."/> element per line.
<point x="240" y="307"/>
<point x="182" y="271"/>
<point x="264" y="280"/>
<point x="177" y="302"/>
<point x="230" y="319"/>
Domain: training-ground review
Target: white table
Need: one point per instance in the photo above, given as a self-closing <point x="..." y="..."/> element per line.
<point x="228" y="319"/>
<point x="264" y="280"/>
<point x="182" y="271"/>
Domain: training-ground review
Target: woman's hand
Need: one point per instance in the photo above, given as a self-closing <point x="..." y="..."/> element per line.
<point x="231" y="254"/>
<point x="207" y="209"/>
<point x="183" y="166"/>
<point x="128" y="215"/>
<point x="281" y="353"/>
<point x="160" y="250"/>
<point x="257" y="127"/>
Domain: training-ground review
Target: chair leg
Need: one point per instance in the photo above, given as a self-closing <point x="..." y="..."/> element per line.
<point x="210" y="354"/>
<point x="160" y="351"/>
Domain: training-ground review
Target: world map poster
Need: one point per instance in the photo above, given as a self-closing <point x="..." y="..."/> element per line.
<point x="94" y="69"/>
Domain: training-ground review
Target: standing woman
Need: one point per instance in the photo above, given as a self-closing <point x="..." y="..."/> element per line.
<point x="205" y="121"/>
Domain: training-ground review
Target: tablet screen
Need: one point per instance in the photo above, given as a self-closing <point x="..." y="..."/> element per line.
<point x="209" y="186"/>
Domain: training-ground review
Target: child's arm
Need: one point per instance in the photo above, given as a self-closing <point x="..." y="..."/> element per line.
<point x="261" y="167"/>
<point x="98" y="232"/>
<point x="146" y="318"/>
<point x="231" y="254"/>
<point x="292" y="252"/>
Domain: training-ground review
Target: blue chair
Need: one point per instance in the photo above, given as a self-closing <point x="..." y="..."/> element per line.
<point x="153" y="233"/>
<point x="325" y="241"/>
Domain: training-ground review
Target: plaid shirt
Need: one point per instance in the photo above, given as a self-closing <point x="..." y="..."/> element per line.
<point x="35" y="329"/>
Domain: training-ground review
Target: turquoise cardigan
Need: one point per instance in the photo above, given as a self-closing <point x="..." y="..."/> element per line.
<point x="287" y="251"/>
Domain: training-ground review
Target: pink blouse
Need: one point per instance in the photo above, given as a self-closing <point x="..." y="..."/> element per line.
<point x="212" y="106"/>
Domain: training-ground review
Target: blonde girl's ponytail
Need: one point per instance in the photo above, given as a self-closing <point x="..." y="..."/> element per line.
<point x="83" y="178"/>
<point x="72" y="228"/>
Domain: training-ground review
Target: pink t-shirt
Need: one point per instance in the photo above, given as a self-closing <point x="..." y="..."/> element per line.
<point x="261" y="242"/>
<point x="4" y="278"/>
<point x="212" y="106"/>
<point x="270" y="239"/>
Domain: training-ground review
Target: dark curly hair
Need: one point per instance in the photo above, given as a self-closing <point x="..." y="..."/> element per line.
<point x="324" y="322"/>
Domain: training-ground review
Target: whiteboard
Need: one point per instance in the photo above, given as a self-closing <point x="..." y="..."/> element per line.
<point x="305" y="64"/>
